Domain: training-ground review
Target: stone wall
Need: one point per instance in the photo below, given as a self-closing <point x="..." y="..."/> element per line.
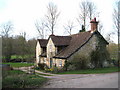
<point x="90" y="46"/>
<point x="38" y="52"/>
<point x="50" y="49"/>
<point x="86" y="49"/>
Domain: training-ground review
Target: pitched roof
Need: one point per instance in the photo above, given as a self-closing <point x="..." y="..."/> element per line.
<point x="77" y="40"/>
<point x="43" y="42"/>
<point x="73" y="42"/>
<point x="60" y="40"/>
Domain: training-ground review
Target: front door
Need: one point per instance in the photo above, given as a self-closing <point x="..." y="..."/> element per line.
<point x="51" y="62"/>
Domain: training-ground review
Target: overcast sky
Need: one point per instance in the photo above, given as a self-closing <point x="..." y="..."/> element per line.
<point x="24" y="13"/>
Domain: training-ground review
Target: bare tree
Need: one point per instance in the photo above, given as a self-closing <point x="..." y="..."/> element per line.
<point x="116" y="17"/>
<point x="6" y="28"/>
<point x="40" y="26"/>
<point x="91" y="10"/>
<point x="88" y="10"/>
<point x="84" y="12"/>
<point x="100" y="27"/>
<point x="68" y="27"/>
<point x="51" y="17"/>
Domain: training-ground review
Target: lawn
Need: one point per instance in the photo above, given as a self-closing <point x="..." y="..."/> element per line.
<point x="92" y="71"/>
<point x="19" y="79"/>
<point x="19" y="64"/>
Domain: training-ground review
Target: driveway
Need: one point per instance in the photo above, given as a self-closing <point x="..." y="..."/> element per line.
<point x="83" y="81"/>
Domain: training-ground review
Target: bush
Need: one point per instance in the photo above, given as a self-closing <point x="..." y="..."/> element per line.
<point x="42" y="66"/>
<point x="18" y="79"/>
<point x="71" y="67"/>
<point x="55" y="69"/>
<point x="79" y="62"/>
<point x="115" y="62"/>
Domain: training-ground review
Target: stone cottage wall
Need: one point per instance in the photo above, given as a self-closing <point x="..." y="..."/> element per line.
<point x="58" y="62"/>
<point x="50" y="49"/>
<point x="86" y="50"/>
<point x="38" y="52"/>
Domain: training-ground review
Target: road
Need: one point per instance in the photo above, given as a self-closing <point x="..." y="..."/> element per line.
<point x="109" y="80"/>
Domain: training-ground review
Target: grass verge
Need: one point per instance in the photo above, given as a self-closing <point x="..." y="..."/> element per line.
<point x="19" y="79"/>
<point x="19" y="64"/>
<point x="92" y="71"/>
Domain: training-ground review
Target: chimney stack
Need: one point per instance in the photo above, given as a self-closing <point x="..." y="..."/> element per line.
<point x="94" y="24"/>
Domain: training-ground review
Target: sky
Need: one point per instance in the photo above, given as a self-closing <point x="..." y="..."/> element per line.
<point x="24" y="13"/>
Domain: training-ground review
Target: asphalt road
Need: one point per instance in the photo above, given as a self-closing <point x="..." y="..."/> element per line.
<point x="83" y="81"/>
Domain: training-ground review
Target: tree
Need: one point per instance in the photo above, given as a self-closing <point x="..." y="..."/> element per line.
<point x="68" y="27"/>
<point x="5" y="31"/>
<point x="82" y="29"/>
<point x="113" y="49"/>
<point x="31" y="45"/>
<point x="40" y="26"/>
<point x="100" y="27"/>
<point x="87" y="10"/>
<point x="6" y="28"/>
<point x="91" y="10"/>
<point x="116" y="18"/>
<point x="51" y="17"/>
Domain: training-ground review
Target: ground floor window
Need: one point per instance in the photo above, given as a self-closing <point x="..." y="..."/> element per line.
<point x="44" y="60"/>
<point x="60" y="63"/>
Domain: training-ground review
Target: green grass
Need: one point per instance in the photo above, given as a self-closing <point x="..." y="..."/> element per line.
<point x="18" y="56"/>
<point x="92" y="71"/>
<point x="19" y="79"/>
<point x="20" y="64"/>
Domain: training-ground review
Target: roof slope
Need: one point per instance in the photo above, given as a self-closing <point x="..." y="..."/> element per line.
<point x="43" y="42"/>
<point x="77" y="41"/>
<point x="72" y="43"/>
<point x="60" y="40"/>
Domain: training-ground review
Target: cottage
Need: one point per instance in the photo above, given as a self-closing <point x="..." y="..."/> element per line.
<point x="57" y="49"/>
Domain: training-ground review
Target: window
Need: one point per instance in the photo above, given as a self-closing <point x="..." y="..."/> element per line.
<point x="50" y="48"/>
<point x="60" y="63"/>
<point x="44" y="60"/>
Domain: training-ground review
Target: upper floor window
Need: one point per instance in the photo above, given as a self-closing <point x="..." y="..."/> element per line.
<point x="50" y="48"/>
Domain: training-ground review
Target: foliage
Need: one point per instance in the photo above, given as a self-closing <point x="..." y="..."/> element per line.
<point x="92" y="71"/>
<point x="98" y="58"/>
<point x="42" y="66"/>
<point x="19" y="48"/>
<point x="55" y="69"/>
<point x="19" y="64"/>
<point x="66" y="65"/>
<point x="7" y="47"/>
<point x="100" y="55"/>
<point x="83" y="29"/>
<point x="71" y="67"/>
<point x="18" y="79"/>
<point x="48" y="69"/>
<point x="113" y="51"/>
<point x="80" y="62"/>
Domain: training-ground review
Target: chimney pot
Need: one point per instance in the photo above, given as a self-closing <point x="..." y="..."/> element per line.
<point x="94" y="24"/>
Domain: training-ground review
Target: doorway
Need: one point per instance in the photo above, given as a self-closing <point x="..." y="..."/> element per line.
<point x="51" y="61"/>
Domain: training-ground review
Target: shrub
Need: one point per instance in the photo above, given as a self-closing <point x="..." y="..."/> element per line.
<point x="71" y="67"/>
<point x="55" y="69"/>
<point x="18" y="79"/>
<point x="42" y="66"/>
<point x="80" y="62"/>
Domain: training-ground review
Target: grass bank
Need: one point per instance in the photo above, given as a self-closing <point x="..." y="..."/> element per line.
<point x="19" y="79"/>
<point x="92" y="71"/>
<point x="19" y="64"/>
